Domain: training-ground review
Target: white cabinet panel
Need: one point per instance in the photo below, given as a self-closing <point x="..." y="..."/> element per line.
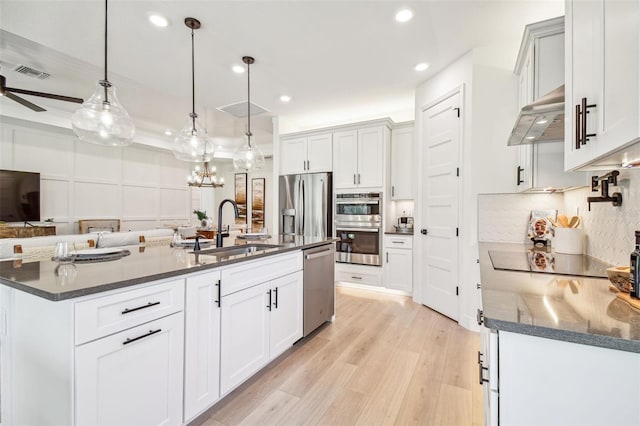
<point x="96" y="200"/>
<point x="202" y="344"/>
<point x="133" y="377"/>
<point x="319" y="153"/>
<point x="141" y="202"/>
<point x="293" y="156"/>
<point x="244" y="335"/>
<point x="54" y="199"/>
<point x="370" y="157"/>
<point x="42" y="152"/>
<point x="286" y="313"/>
<point x="345" y="159"/>
<point x="402" y="158"/>
<point x="306" y="154"/>
<point x="140" y="167"/>
<point x="398" y="262"/>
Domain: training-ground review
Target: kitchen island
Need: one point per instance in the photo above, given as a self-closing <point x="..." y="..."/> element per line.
<point x="556" y="349"/>
<point x="155" y="337"/>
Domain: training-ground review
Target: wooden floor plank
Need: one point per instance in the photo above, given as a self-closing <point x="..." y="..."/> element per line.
<point x="385" y="360"/>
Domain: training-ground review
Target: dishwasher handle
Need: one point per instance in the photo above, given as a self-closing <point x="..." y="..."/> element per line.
<point x="319" y="254"/>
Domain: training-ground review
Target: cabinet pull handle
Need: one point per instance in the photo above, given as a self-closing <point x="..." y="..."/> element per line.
<point x="481" y="378"/>
<point x="308" y="165"/>
<point x="150" y="333"/>
<point x="358" y="178"/>
<point x="356" y="278"/>
<point x="354" y="178"/>
<point x="148" y="305"/>
<point x="269" y="305"/>
<point x="275" y="303"/>
<point x="578" y="126"/>
<point x="387" y="257"/>
<point x="393" y="191"/>
<point x="219" y="301"/>
<point x="520" y="170"/>
<point x="585" y="111"/>
<point x="397" y="242"/>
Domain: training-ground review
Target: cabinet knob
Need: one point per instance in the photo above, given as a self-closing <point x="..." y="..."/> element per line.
<point x="424" y="231"/>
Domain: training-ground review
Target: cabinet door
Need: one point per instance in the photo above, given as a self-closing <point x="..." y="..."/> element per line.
<point x="293" y="156"/>
<point x="133" y="377"/>
<point x="202" y="344"/>
<point x="244" y="343"/>
<point x="583" y="75"/>
<point x="319" y="153"/>
<point x="401" y="164"/>
<point x="370" y="157"/>
<point x="397" y="269"/>
<point x="286" y="313"/>
<point x="523" y="173"/>
<point x="345" y="159"/>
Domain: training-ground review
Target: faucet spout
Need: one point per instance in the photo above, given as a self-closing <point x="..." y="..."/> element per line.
<point x="220" y="235"/>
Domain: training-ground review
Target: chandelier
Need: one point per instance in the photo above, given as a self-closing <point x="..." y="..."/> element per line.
<point x="205" y="177"/>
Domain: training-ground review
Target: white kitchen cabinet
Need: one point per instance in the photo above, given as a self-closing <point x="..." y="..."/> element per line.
<point x="358" y="157"/>
<point x="551" y="382"/>
<point x="306" y="154"/>
<point x="602" y="79"/>
<point x="540" y="70"/>
<point x="402" y="154"/>
<point x="202" y="343"/>
<point x="132" y="377"/>
<point x="286" y="313"/>
<point x="398" y="262"/>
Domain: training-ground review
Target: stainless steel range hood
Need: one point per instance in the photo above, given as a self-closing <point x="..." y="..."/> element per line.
<point x="540" y="121"/>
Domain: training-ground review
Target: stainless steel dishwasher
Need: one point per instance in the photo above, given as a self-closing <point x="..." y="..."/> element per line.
<point x="319" y="292"/>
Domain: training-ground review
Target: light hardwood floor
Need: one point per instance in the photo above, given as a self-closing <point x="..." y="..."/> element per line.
<point x="384" y="361"/>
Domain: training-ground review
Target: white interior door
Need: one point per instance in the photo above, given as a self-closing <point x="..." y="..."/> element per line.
<point x="440" y="199"/>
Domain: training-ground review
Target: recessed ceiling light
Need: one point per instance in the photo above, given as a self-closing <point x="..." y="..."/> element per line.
<point x="404" y="15"/>
<point x="238" y="69"/>
<point x="168" y="132"/>
<point x="541" y="122"/>
<point x="285" y="98"/>
<point x="422" y="66"/>
<point x="158" y="20"/>
<point x="531" y="137"/>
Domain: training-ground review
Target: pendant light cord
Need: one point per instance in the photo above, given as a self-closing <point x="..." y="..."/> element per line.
<point x="193" y="85"/>
<point x="249" y="104"/>
<point x="105" y="40"/>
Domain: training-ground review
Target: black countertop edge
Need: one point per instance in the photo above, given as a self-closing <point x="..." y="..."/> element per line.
<point x="409" y="234"/>
<point x="56" y="297"/>
<point x="607" y="342"/>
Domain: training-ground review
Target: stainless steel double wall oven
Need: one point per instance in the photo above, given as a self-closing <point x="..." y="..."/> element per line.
<point x="358" y="219"/>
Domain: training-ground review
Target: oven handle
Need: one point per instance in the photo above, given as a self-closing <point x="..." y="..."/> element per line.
<point x="357" y="202"/>
<point x="359" y="229"/>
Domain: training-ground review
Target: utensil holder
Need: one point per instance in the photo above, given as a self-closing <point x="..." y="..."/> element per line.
<point x="568" y="241"/>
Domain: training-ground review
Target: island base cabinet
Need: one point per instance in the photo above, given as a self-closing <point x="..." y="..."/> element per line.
<point x="550" y="382"/>
<point x="133" y="377"/>
<point x="286" y="313"/>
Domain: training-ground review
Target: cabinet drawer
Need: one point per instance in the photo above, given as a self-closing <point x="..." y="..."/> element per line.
<point x="358" y="277"/>
<point x="398" y="241"/>
<point x="248" y="274"/>
<point x="106" y="315"/>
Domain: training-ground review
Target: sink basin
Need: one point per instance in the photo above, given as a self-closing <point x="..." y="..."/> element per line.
<point x="236" y="250"/>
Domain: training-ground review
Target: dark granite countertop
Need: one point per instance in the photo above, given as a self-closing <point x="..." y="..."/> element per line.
<point x="563" y="307"/>
<point x="143" y="265"/>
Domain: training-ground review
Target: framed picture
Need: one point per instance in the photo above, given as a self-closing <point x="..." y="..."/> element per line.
<point x="241" y="196"/>
<point x="257" y="204"/>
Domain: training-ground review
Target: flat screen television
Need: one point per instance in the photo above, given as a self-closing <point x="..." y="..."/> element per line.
<point x="19" y="196"/>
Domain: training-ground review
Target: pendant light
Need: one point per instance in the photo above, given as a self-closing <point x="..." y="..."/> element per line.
<point x="102" y="120"/>
<point x="192" y="142"/>
<point x="248" y="157"/>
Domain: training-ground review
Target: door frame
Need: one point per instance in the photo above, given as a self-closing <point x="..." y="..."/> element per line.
<point x="419" y="220"/>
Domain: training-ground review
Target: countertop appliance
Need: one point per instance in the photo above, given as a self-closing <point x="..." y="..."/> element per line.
<point x="319" y="294"/>
<point x="404" y="225"/>
<point x="305" y="204"/>
<point x="550" y="263"/>
<point x="358" y="228"/>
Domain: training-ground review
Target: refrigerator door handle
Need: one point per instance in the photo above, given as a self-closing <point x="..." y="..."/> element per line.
<point x="303" y="207"/>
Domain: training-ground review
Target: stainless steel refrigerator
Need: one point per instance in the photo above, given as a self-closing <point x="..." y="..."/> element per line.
<point x="306" y="205"/>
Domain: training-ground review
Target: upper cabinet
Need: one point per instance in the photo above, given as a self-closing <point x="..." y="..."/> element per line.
<point x="540" y="70"/>
<point x="358" y="157"/>
<point x="402" y="161"/>
<point x="306" y="154"/>
<point x="602" y="82"/>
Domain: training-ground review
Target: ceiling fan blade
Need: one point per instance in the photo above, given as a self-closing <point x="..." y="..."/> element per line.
<point x="24" y="102"/>
<point x="45" y="95"/>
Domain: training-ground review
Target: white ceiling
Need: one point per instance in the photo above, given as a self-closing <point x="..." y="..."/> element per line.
<point x="340" y="61"/>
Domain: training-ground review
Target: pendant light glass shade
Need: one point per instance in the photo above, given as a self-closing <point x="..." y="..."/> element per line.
<point x="192" y="143"/>
<point x="102" y="120"/>
<point x="248" y="157"/>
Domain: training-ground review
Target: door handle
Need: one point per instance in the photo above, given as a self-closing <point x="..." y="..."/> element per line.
<point x="354" y="178"/>
<point x="269" y="305"/>
<point x="585" y="111"/>
<point x="219" y="301"/>
<point x="358" y="178"/>
<point x="393" y="191"/>
<point x="578" y="124"/>
<point x="519" y="178"/>
<point x="275" y="303"/>
<point x="387" y="257"/>
<point x="424" y="231"/>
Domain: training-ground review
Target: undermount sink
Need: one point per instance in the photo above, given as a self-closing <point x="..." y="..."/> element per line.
<point x="236" y="250"/>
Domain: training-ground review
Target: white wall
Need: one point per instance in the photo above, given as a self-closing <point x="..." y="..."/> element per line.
<point x="143" y="186"/>
<point x="488" y="112"/>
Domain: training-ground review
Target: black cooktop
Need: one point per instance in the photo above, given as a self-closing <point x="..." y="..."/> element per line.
<point x="549" y="263"/>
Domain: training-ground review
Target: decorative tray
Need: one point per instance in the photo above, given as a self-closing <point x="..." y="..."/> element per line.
<point x="96" y="255"/>
<point x="253" y="236"/>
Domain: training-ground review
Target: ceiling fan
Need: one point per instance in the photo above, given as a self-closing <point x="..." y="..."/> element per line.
<point x="9" y="93"/>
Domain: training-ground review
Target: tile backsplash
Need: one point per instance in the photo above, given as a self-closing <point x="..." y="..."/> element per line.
<point x="609" y="230"/>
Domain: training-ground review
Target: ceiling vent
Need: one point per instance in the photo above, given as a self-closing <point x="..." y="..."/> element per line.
<point x="31" y="72"/>
<point x="240" y="109"/>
